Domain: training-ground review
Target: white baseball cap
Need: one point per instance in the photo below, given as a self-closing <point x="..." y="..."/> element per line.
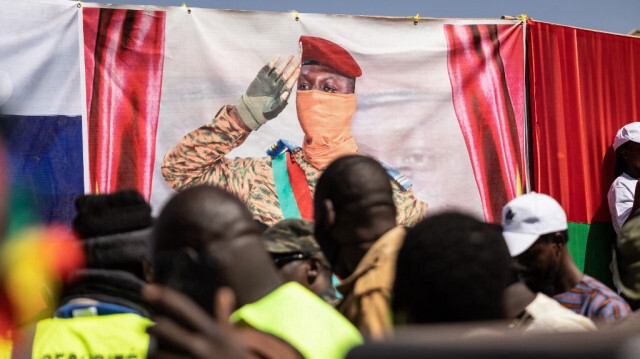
<point x="629" y="132"/>
<point x="527" y="217"/>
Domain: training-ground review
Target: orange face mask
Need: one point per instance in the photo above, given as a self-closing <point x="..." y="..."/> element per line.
<point x="326" y="121"/>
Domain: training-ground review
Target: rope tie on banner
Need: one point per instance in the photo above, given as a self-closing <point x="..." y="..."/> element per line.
<point x="522" y="17"/>
<point x="79" y="4"/>
<point x="184" y="6"/>
<point x="416" y="19"/>
<point x="296" y="14"/>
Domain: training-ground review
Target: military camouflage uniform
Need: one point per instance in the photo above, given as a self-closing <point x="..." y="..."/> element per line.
<point x="293" y="236"/>
<point x="199" y="158"/>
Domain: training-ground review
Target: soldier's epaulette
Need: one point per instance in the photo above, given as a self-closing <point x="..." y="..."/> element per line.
<point x="277" y="148"/>
<point x="401" y="179"/>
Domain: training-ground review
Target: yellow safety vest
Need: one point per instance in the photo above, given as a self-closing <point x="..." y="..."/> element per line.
<point x="302" y="319"/>
<point x="115" y="336"/>
<point x="5" y="348"/>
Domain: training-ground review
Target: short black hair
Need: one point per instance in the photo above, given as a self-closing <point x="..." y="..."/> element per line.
<point x="356" y="185"/>
<point x="198" y="215"/>
<point x="451" y="268"/>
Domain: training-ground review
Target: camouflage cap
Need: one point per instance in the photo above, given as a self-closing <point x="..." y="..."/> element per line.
<point x="293" y="235"/>
<point x="626" y="258"/>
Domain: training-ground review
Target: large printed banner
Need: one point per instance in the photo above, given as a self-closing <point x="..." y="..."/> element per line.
<point x="93" y="96"/>
<point x="113" y="89"/>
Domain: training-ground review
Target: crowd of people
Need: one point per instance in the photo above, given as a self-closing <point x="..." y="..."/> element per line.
<point x="205" y="279"/>
<point x="230" y="269"/>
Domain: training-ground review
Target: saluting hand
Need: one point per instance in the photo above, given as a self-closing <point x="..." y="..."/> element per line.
<point x="268" y="93"/>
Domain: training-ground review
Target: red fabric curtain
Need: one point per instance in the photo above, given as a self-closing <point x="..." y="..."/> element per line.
<point x="124" y="55"/>
<point x="584" y="86"/>
<point x="486" y="70"/>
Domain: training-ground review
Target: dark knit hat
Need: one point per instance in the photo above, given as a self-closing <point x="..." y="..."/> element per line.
<point x="115" y="230"/>
<point x="105" y="214"/>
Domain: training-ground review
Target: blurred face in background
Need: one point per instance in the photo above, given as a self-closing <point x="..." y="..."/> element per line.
<point x="540" y="264"/>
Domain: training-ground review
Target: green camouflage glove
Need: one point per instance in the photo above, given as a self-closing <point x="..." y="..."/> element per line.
<point x="265" y="98"/>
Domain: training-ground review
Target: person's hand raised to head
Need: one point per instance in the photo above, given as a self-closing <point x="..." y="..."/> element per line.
<point x="183" y="330"/>
<point x="268" y="93"/>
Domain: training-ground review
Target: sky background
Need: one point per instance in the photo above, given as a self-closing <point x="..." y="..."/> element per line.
<point x="618" y="16"/>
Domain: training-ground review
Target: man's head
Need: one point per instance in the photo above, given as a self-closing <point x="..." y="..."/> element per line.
<point x="628" y="132"/>
<point x="535" y="230"/>
<point x="202" y="217"/>
<point x="626" y="144"/>
<point x="325" y="100"/>
<point x="327" y="67"/>
<point x="207" y="233"/>
<point x="353" y="206"/>
<point x="297" y="255"/>
<point x="451" y="267"/>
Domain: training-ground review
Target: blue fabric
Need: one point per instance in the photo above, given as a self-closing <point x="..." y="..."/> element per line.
<point x="335" y="282"/>
<point x="594" y="300"/>
<point x="45" y="162"/>
<point x="402" y="180"/>
<point x="282" y="145"/>
<point x="71" y="310"/>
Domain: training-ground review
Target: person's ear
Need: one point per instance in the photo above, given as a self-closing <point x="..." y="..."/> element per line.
<point x="559" y="243"/>
<point x="329" y="212"/>
<point x="314" y="269"/>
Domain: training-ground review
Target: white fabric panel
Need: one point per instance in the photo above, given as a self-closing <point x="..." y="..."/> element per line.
<point x="40" y="71"/>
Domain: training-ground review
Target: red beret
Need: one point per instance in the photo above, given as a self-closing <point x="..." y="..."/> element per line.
<point x="329" y="54"/>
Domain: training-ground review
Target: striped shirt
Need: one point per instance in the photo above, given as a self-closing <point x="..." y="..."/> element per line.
<point x="594" y="300"/>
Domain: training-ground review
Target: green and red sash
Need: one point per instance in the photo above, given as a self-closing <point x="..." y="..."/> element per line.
<point x="292" y="188"/>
